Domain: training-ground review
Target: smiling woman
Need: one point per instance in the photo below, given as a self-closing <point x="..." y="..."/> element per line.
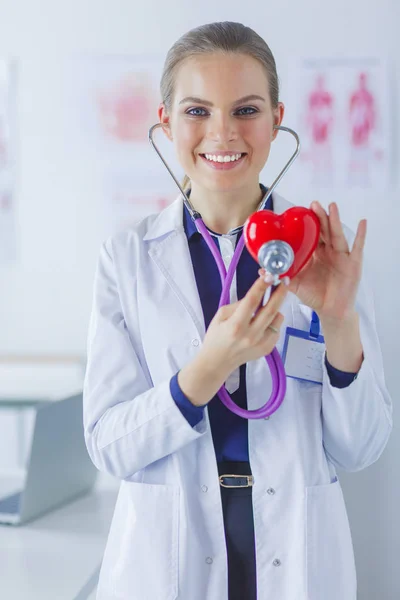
<point x="220" y="99"/>
<point x="212" y="505"/>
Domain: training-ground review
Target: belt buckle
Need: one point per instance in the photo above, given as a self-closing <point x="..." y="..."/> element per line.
<point x="250" y="481"/>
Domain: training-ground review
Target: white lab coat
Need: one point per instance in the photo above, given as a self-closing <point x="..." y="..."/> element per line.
<point x="167" y="536"/>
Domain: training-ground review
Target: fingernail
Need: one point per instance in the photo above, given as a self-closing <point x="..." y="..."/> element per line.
<point x="286" y="280"/>
<point x="268" y="278"/>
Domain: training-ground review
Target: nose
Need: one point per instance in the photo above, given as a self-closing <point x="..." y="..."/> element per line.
<point x="222" y="128"/>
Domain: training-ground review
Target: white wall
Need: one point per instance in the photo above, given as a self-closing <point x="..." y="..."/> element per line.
<point x="45" y="298"/>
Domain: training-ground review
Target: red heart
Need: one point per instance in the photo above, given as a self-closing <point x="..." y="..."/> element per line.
<point x="298" y="226"/>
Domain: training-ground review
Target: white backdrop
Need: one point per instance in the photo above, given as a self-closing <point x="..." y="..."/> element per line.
<point x="45" y="297"/>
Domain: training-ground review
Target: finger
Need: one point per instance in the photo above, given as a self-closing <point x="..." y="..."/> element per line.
<point x="267" y="313"/>
<point x="226" y="311"/>
<point x="337" y="236"/>
<point x="276" y="322"/>
<point x="324" y="221"/>
<point x="251" y="301"/>
<point x="262" y="272"/>
<point x="269" y="335"/>
<point x="359" y="242"/>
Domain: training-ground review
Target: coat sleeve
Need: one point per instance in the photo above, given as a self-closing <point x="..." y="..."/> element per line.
<point x="357" y="419"/>
<point x="128" y="423"/>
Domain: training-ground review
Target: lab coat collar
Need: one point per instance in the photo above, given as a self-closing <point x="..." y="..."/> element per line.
<point x="168" y="220"/>
<point x="171" y="218"/>
<point x="191" y="229"/>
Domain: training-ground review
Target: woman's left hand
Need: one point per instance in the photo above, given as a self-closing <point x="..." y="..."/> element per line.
<point x="329" y="282"/>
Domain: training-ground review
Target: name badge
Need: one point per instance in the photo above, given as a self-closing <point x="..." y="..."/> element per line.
<point x="303" y="353"/>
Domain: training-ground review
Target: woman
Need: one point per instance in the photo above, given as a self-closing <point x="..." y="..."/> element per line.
<point x="159" y="350"/>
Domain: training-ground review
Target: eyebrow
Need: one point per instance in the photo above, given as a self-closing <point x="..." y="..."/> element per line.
<point x="196" y="100"/>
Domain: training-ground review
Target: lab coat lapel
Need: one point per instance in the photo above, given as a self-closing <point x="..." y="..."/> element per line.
<point x="168" y="248"/>
<point x="280" y="203"/>
<point x="170" y="252"/>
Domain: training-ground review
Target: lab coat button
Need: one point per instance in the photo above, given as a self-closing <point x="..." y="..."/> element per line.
<point x="209" y="560"/>
<point x="204" y="488"/>
<point x="266" y="418"/>
<point x="277" y="562"/>
<point x="195" y="342"/>
<point x="271" y="491"/>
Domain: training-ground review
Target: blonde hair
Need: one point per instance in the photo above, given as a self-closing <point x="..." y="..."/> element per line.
<point x="225" y="36"/>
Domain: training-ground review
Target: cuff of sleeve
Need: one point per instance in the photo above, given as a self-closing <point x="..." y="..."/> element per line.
<point x="193" y="414"/>
<point x="339" y="379"/>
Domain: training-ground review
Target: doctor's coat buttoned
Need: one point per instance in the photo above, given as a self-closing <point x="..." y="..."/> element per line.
<point x="167" y="539"/>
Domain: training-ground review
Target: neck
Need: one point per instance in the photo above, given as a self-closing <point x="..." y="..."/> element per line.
<point x="223" y="211"/>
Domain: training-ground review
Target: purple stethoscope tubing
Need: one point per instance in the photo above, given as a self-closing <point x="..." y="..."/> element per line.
<point x="274" y="360"/>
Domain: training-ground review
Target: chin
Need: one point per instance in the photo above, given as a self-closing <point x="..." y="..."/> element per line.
<point x="214" y="186"/>
<point x="227" y="185"/>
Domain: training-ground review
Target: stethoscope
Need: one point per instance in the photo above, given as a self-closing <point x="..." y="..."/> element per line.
<point x="275" y="257"/>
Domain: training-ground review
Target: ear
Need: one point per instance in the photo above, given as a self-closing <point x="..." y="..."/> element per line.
<point x="164" y="118"/>
<point x="278" y="118"/>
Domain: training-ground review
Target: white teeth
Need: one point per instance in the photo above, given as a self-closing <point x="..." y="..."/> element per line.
<point x="219" y="158"/>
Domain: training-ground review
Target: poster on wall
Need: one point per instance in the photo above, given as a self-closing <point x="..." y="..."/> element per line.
<point x="131" y="196"/>
<point x="341" y="110"/>
<point x="7" y="141"/>
<point x="115" y="102"/>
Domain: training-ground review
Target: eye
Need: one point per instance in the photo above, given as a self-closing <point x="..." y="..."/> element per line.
<point x="200" y="112"/>
<point x="247" y="108"/>
<point x="242" y="112"/>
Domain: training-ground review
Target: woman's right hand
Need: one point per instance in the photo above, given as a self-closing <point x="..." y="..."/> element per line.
<point x="236" y="335"/>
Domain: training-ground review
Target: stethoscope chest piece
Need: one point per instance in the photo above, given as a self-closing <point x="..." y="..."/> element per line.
<point x="282" y="244"/>
<point x="276" y="257"/>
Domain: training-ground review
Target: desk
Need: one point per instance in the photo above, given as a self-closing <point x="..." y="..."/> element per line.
<point x="53" y="557"/>
<point x="23" y="379"/>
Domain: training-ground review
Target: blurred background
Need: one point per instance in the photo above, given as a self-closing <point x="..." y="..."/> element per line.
<point x="78" y="92"/>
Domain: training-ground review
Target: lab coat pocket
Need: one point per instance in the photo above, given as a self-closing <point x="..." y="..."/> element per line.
<point x="330" y="559"/>
<point x="141" y="558"/>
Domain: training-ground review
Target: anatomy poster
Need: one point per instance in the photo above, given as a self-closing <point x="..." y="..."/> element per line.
<point x="131" y="196"/>
<point x="114" y="103"/>
<point x="7" y="139"/>
<point x="118" y="98"/>
<point x="341" y="110"/>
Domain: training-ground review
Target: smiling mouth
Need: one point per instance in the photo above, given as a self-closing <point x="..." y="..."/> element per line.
<point x="225" y="158"/>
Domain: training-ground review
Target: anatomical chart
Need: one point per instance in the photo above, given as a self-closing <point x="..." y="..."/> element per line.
<point x="341" y="110"/>
<point x="7" y="139"/>
<point x="117" y="99"/>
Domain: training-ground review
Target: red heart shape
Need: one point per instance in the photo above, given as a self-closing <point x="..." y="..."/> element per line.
<point x="298" y="226"/>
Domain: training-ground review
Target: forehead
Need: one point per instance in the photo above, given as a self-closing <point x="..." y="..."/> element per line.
<point x="220" y="75"/>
